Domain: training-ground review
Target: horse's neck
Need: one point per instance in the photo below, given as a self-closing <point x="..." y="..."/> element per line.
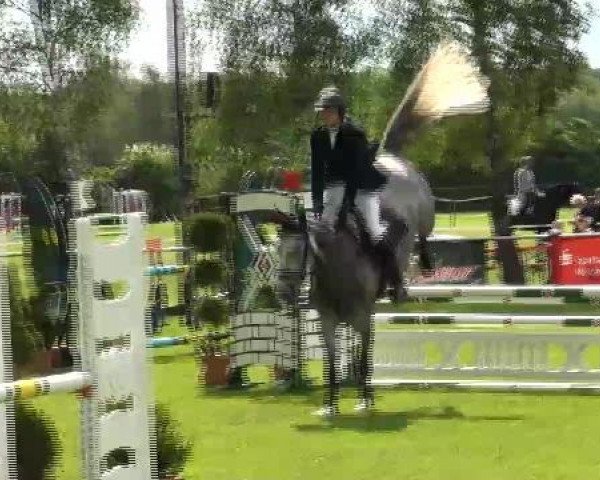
<point x="553" y="203"/>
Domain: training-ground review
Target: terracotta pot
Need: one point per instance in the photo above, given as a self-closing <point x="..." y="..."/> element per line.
<point x="215" y="370"/>
<point x="55" y="357"/>
<point x="281" y="373"/>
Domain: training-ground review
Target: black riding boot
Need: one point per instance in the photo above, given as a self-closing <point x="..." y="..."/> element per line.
<point x="387" y="248"/>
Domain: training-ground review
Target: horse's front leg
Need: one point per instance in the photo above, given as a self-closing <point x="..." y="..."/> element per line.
<point x="365" y="387"/>
<point x="330" y="361"/>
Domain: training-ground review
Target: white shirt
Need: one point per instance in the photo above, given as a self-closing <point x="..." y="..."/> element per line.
<point x="332" y="136"/>
<point x="524" y="181"/>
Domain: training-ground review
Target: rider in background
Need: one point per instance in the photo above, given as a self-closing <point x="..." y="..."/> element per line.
<point x="342" y="175"/>
<point x="524" y="185"/>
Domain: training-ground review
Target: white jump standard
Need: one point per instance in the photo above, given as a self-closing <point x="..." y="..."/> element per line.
<point x="110" y="359"/>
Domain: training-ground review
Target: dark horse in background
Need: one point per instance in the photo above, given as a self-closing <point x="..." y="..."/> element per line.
<point x="345" y="276"/>
<point x="546" y="206"/>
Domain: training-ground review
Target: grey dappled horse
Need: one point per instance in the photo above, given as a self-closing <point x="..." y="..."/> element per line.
<point x="345" y="275"/>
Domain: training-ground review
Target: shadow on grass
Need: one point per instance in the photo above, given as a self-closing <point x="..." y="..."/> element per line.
<point x="171" y="358"/>
<point x="396" y="421"/>
<point x="372" y="422"/>
<point x="266" y="394"/>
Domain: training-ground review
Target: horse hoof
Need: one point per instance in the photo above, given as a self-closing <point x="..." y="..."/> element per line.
<point x="325" y="412"/>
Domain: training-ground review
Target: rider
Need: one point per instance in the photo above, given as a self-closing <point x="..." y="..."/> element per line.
<point x="591" y="211"/>
<point x="524" y="185"/>
<point x="342" y="175"/>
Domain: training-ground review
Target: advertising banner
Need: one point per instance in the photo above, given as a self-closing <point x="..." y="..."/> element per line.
<point x="456" y="261"/>
<point x="575" y="260"/>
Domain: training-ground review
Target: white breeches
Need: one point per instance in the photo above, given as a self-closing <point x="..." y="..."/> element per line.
<point x="367" y="202"/>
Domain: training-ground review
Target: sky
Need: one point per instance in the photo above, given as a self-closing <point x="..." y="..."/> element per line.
<point x="148" y="45"/>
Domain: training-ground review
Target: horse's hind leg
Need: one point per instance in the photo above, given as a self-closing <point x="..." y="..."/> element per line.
<point x="365" y="388"/>
<point x="425" y="260"/>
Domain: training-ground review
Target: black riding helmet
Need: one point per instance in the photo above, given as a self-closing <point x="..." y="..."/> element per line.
<point x="331" y="97"/>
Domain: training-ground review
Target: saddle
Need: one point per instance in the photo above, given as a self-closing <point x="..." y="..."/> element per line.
<point x="353" y="222"/>
<point x="383" y="252"/>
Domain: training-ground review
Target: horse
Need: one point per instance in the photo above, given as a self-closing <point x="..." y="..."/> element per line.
<point x="346" y="276"/>
<point x="346" y="280"/>
<point x="546" y="206"/>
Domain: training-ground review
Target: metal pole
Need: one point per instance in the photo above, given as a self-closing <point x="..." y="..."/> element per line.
<point x="181" y="146"/>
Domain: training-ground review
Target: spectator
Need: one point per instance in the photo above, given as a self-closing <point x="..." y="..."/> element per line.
<point x="524" y="185"/>
<point x="556" y="228"/>
<point x="592" y="210"/>
<point x="581" y="219"/>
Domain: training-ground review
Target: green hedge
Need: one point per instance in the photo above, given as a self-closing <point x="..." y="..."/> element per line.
<point x="266" y="299"/>
<point x="37" y="442"/>
<point x="172" y="450"/>
<point x="209" y="232"/>
<point x="214" y="311"/>
<point x="29" y="328"/>
<point x="210" y="273"/>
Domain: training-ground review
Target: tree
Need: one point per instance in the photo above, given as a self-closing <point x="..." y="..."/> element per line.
<point x="276" y="55"/>
<point x="51" y="47"/>
<point x="527" y="50"/>
<point x="48" y="43"/>
<point x="570" y="149"/>
<point x="151" y="168"/>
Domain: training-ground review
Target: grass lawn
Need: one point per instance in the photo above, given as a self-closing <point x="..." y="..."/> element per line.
<point x="477" y="224"/>
<point x="263" y="434"/>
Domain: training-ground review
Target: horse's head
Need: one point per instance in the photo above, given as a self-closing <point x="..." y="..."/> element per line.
<point x="294" y="251"/>
<point x="340" y="266"/>
<point x="559" y="195"/>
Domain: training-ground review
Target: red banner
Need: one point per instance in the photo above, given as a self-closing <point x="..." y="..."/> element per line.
<point x="574" y="260"/>
<point x="292" y="181"/>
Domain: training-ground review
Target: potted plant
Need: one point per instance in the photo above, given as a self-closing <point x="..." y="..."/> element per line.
<point x="212" y="346"/>
<point x="210" y="273"/>
<point x="209" y="232"/>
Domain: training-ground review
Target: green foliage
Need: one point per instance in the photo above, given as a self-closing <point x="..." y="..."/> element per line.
<point x="21" y="114"/>
<point x="172" y="449"/>
<point x="35" y="432"/>
<point x="303" y="36"/>
<point x="213" y="312"/>
<point x="28" y="324"/>
<point x="266" y="298"/>
<point x="268" y="232"/>
<point x="276" y="58"/>
<point x="75" y="34"/>
<point x="58" y="53"/>
<point x="150" y="168"/>
<point x="209" y="232"/>
<point x="210" y="273"/>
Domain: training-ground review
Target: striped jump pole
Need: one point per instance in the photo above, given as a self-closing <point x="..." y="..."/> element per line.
<point x="158" y="270"/>
<point x="35" y="387"/>
<point x="538" y="291"/>
<point x="159" y="342"/>
<point x="486" y="319"/>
